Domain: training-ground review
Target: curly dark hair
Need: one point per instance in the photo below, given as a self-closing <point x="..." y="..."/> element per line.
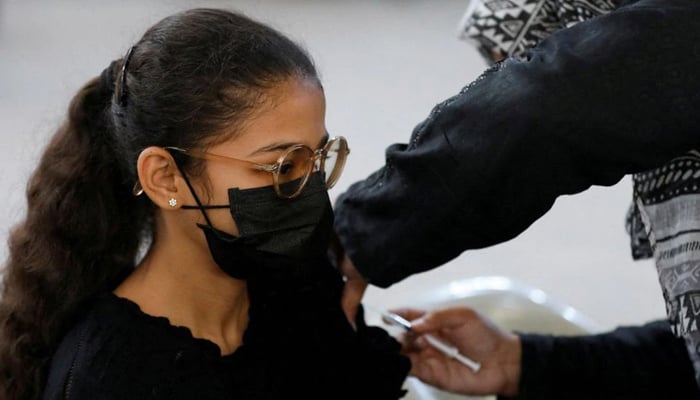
<point x="192" y="76"/>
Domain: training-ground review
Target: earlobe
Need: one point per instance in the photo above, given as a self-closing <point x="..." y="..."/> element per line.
<point x="158" y="177"/>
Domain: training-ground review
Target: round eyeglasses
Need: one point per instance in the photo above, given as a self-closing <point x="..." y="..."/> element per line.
<point x="291" y="171"/>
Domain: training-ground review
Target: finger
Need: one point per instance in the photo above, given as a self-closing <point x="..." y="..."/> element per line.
<point x="353" y="291"/>
<point x="411" y="343"/>
<point x="447" y="318"/>
<point x="420" y="366"/>
<point x="427" y="368"/>
<point x="348" y="268"/>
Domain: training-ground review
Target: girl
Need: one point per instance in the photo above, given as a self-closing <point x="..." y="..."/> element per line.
<point x="176" y="234"/>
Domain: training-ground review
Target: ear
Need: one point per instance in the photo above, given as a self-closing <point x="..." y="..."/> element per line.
<point x="160" y="178"/>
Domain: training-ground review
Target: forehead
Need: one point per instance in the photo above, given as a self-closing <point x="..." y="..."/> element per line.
<point x="292" y="112"/>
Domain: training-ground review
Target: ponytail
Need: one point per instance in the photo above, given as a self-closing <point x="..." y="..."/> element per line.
<point x="80" y="236"/>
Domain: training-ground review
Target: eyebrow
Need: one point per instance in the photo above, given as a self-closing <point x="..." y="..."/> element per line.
<point x="285" y="145"/>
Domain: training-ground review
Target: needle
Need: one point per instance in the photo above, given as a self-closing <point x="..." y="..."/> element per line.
<point x="440" y="345"/>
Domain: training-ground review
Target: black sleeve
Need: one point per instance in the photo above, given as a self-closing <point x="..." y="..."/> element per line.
<point x="614" y="95"/>
<point x="639" y="363"/>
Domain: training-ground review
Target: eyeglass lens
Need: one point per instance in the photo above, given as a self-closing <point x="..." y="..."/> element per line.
<point x="295" y="166"/>
<point x="298" y="164"/>
<point x="333" y="162"/>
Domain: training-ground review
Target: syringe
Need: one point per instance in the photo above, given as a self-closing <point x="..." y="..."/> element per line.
<point x="440" y="345"/>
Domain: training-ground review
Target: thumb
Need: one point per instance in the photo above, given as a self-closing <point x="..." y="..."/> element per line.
<point x="353" y="291"/>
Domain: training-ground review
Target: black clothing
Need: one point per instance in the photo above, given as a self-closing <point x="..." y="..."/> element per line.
<point x="611" y="96"/>
<point x="615" y="95"/>
<point x="298" y="345"/>
<point x="631" y="363"/>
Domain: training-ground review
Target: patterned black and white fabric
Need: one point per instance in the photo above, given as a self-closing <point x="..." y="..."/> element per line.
<point x="668" y="204"/>
<point x="507" y="28"/>
<point x="664" y="219"/>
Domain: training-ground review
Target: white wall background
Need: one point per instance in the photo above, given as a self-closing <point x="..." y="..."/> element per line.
<point x="384" y="64"/>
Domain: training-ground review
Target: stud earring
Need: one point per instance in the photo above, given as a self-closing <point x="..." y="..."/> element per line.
<point x="172" y="202"/>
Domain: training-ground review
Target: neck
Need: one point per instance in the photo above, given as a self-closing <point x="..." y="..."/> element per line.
<point x="178" y="280"/>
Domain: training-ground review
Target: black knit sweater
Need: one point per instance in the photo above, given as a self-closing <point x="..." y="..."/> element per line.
<point x="297" y="345"/>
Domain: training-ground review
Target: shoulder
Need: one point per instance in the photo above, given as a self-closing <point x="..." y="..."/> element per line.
<point x="114" y="350"/>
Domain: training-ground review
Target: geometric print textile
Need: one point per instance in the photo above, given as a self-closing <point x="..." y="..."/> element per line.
<point x="508" y="28"/>
<point x="668" y="202"/>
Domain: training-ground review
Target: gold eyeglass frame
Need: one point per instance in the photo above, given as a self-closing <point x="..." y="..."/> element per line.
<point x="317" y="161"/>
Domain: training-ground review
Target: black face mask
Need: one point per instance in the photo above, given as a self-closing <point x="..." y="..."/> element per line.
<point x="276" y="236"/>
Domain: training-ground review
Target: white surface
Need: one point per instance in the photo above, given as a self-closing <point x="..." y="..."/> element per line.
<point x="384" y="65"/>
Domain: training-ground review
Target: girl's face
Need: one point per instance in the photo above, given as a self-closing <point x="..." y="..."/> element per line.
<point x="295" y="115"/>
